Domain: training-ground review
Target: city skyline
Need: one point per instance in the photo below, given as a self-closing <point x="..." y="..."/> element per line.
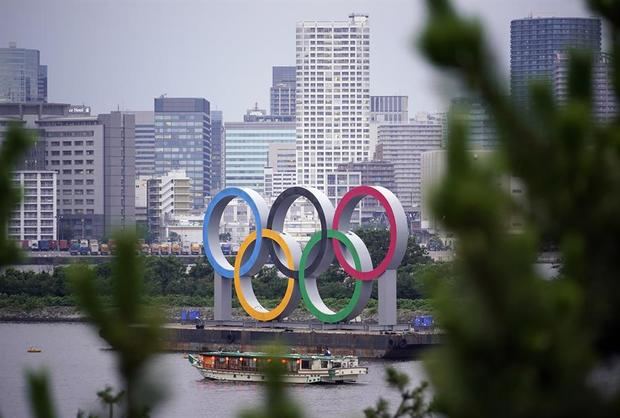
<point x="135" y="38"/>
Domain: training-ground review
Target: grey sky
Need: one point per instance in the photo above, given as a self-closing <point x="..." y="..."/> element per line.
<point x="126" y="52"/>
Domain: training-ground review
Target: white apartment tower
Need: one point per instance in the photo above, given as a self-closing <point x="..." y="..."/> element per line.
<point x="332" y="96"/>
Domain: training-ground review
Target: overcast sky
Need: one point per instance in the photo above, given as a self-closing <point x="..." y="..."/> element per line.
<point x="122" y="53"/>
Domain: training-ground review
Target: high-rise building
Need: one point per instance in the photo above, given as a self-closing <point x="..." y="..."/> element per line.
<point x="35" y="217"/>
<point x="534" y="43"/>
<point x="389" y="109"/>
<point x="22" y="77"/>
<point x="604" y="102"/>
<point x="74" y="147"/>
<point x="217" y="151"/>
<point x="119" y="162"/>
<point x="145" y="141"/>
<point x="280" y="171"/>
<point x="385" y="110"/>
<point x="183" y="141"/>
<point x="93" y="158"/>
<point x="480" y="127"/>
<point x="332" y="95"/>
<point x="282" y="92"/>
<point x="247" y="148"/>
<point x="403" y="146"/>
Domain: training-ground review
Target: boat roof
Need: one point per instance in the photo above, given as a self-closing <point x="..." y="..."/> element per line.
<point x="250" y="354"/>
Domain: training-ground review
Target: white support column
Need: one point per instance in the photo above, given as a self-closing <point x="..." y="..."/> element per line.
<point x="222" y="298"/>
<point x="387" y="298"/>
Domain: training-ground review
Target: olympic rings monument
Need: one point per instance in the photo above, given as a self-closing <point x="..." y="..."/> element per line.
<point x="302" y="268"/>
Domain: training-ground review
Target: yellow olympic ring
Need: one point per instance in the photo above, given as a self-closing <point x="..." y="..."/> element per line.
<point x="252" y="306"/>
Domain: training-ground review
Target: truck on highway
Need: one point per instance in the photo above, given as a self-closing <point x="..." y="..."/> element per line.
<point x="155" y="248"/>
<point x="186" y="248"/>
<point x="195" y="248"/>
<point x="145" y="249"/>
<point x="63" y="245"/>
<point x="33" y="245"/>
<point x="164" y="248"/>
<point x="112" y="246"/>
<point x="75" y="248"/>
<point x="84" y="247"/>
<point x="44" y="245"/>
<point x="226" y="248"/>
<point x="94" y="247"/>
<point x="104" y="249"/>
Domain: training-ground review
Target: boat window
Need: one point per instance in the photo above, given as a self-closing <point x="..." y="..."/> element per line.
<point x="323" y="364"/>
<point x="305" y="364"/>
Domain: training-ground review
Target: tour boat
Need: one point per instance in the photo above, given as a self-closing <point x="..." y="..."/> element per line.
<point x="299" y="368"/>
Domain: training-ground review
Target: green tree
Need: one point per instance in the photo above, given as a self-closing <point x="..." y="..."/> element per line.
<point x="516" y="345"/>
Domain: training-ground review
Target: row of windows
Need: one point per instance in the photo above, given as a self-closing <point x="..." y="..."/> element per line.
<point x="70" y="162"/>
<point x="77" y="182"/>
<point x="53" y="134"/>
<point x="72" y="143"/>
<point x="78" y="201"/>
<point x="78" y="211"/>
<point x="78" y="192"/>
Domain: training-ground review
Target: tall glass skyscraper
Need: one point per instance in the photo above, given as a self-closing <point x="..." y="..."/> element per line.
<point x="22" y="78"/>
<point x="535" y="42"/>
<point x="247" y="150"/>
<point x="183" y="141"/>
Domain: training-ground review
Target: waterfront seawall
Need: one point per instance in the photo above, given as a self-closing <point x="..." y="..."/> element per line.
<point x="366" y="344"/>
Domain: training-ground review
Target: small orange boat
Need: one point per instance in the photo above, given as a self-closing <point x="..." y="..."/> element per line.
<point x="34" y="350"/>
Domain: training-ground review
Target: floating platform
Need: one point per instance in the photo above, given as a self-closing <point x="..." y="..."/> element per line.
<point x="359" y="340"/>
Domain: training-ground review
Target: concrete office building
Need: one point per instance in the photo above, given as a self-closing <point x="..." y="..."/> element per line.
<point x="280" y="172"/>
<point x="75" y="150"/>
<point x="338" y="184"/>
<point x="403" y="146"/>
<point x="480" y="127"/>
<point x="218" y="136"/>
<point x="371" y="173"/>
<point x="385" y="110"/>
<point x="119" y="164"/>
<point x="35" y="217"/>
<point x="333" y="99"/>
<point x="183" y="141"/>
<point x="141" y="187"/>
<point x="282" y="92"/>
<point x="534" y="43"/>
<point x="389" y="109"/>
<point x="145" y="141"/>
<point x="168" y="196"/>
<point x="77" y="146"/>
<point x="22" y="77"/>
<point x="247" y="148"/>
<point x="604" y="102"/>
